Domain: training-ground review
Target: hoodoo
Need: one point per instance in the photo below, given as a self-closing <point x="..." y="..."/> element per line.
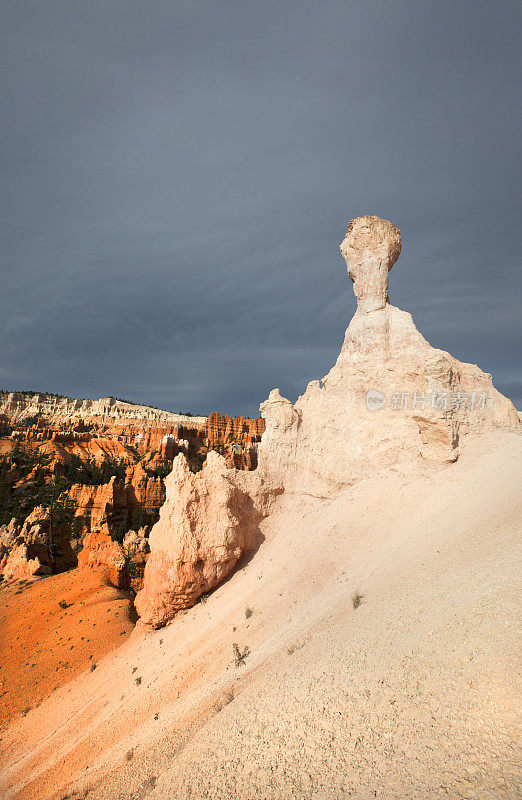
<point x="370" y="248"/>
<point x="391" y="399"/>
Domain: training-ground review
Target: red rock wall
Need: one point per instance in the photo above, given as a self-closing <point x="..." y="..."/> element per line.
<point x="222" y="429"/>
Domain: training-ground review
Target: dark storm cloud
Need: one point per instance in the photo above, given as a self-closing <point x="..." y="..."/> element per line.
<point x="178" y="176"/>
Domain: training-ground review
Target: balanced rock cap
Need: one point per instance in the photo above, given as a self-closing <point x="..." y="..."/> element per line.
<point x="370" y="248"/>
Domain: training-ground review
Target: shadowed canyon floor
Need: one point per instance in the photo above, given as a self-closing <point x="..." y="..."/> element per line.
<point x="411" y="695"/>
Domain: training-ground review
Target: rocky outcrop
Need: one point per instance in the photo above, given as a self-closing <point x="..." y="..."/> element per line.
<point x="19" y="563"/>
<point x="114" y="503"/>
<point x="100" y="505"/>
<point x="18" y="558"/>
<point x="391" y="399"/>
<point x="244" y="458"/>
<point x="222" y="429"/>
<point x="205" y="525"/>
<point x="135" y="542"/>
<point x="169" y="440"/>
<point x="236" y="437"/>
<point x="370" y="248"/>
<point x="122" y="565"/>
<point x="136" y="550"/>
<point x="35" y="548"/>
<point x="8" y="537"/>
<point x="145" y="490"/>
<point x="100" y="552"/>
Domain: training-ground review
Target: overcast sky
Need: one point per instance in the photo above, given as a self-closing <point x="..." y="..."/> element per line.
<point x="177" y="178"/>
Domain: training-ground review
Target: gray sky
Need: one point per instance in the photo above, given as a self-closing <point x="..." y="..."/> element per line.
<point x="177" y="178"/>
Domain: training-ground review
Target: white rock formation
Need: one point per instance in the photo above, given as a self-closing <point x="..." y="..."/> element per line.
<point x="390" y="399"/>
<point x="205" y="525"/>
<point x="370" y="248"/>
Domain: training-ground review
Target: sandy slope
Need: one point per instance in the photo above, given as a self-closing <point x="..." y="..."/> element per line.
<point x="410" y="696"/>
<point x="43" y="646"/>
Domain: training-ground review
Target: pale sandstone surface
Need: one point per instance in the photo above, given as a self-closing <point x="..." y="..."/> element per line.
<point x="370" y="248"/>
<point x="330" y="437"/>
<point x="205" y="525"/>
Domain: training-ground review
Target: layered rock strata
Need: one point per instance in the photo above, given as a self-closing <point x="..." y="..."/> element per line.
<point x="20" y="405"/>
<point x="222" y="429"/>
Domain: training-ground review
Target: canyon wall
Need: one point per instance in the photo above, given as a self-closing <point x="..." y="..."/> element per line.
<point x="19" y="405"/>
<point x="222" y="429"/>
<point x="236" y="437"/>
<point x="108" y="433"/>
<point x="114" y="429"/>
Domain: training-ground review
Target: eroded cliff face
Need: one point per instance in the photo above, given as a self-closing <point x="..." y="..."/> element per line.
<point x="115" y="502"/>
<point x="34" y="548"/>
<point x="236" y="438"/>
<point x="391" y="399"/>
<point x="18" y="406"/>
<point x="109" y="428"/>
<point x="222" y="429"/>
